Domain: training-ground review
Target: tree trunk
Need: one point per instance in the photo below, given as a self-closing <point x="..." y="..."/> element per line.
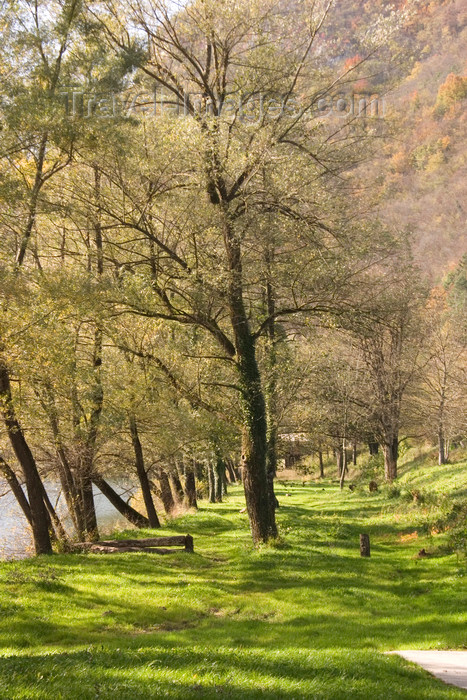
<point x="254" y="429"/>
<point x="16" y="489"/>
<point x="442" y="457"/>
<point x="119" y="504"/>
<point x="321" y="464"/>
<point x="255" y="481"/>
<point x="97" y="392"/>
<point x="442" y="452"/>
<point x="55" y="522"/>
<point x="176" y="485"/>
<point x="354" y="453"/>
<point x="190" y="486"/>
<point x="39" y="521"/>
<point x="211" y="482"/>
<point x="72" y="498"/>
<point x="35" y="191"/>
<point x="390" y="451"/>
<point x="166" y="492"/>
<point x="219" y="479"/>
<point x="364" y="545"/>
<point x="339" y="461"/>
<point x="86" y="495"/>
<point x="343" y="452"/>
<point x="233" y="476"/>
<point x="46" y="396"/>
<point x="142" y="474"/>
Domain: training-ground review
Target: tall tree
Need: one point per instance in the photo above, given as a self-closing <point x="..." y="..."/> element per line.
<point x="238" y="79"/>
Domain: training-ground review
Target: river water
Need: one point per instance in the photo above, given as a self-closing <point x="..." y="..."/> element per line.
<point x="15" y="535"/>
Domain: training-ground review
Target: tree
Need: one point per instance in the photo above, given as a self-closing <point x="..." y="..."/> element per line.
<point x="390" y="341"/>
<point x="444" y="382"/>
<point x="34" y="150"/>
<point x="246" y="168"/>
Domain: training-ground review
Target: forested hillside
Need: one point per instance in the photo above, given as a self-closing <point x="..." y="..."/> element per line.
<point x="421" y="169"/>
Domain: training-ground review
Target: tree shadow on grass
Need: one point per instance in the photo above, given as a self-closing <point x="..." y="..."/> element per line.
<point x="327" y="594"/>
<point x="186" y="672"/>
<point x="341" y="594"/>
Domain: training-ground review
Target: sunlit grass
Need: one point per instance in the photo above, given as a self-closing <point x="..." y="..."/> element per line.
<point x="307" y="618"/>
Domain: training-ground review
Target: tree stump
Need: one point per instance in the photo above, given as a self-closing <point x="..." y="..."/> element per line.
<point x="364" y="545"/>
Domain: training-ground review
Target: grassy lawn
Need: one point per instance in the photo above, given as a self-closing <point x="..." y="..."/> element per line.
<point x="306" y="619"/>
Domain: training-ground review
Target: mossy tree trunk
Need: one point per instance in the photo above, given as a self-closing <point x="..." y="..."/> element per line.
<point x="254" y="429"/>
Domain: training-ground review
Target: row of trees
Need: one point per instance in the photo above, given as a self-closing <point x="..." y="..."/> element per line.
<point x="400" y="373"/>
<point x="164" y="275"/>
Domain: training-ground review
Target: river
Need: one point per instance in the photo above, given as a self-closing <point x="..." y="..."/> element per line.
<point x="15" y="534"/>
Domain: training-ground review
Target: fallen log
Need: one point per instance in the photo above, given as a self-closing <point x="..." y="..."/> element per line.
<point x="97" y="549"/>
<point x="170" y="541"/>
<point x="152" y="545"/>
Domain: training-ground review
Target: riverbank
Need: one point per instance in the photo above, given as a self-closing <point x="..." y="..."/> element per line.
<point x="305" y="619"/>
<point x="15" y="534"/>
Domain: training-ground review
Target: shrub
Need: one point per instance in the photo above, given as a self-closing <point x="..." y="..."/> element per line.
<point x="452" y="518"/>
<point x="457" y="540"/>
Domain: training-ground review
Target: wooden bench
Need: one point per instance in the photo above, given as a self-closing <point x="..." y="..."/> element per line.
<point x="152" y="545"/>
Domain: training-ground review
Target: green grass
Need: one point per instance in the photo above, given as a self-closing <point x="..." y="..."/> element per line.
<point x="307" y="618"/>
<point x="420" y="470"/>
